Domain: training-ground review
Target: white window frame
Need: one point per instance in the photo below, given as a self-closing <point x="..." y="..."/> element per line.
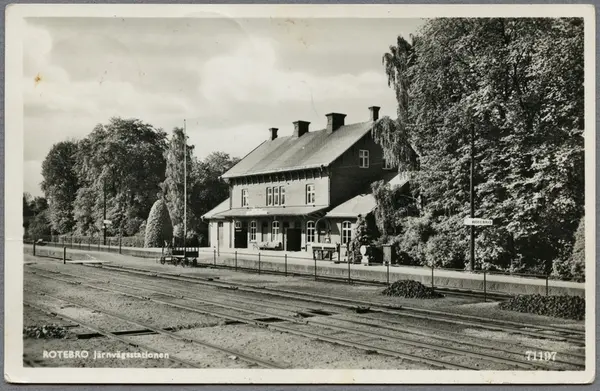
<point x="310" y="194"/>
<point x="363" y="158"/>
<point x="274" y="230"/>
<point x="387" y="165"/>
<point x="282" y="195"/>
<point x="276" y="195"/>
<point x="311" y="231"/>
<point x="253" y="230"/>
<point x="269" y="196"/>
<point x="244" y="197"/>
<point x="346" y="232"/>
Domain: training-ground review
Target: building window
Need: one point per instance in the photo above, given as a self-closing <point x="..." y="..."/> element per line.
<point x="238" y="224"/>
<point x="346" y="232"/>
<point x="274" y="230"/>
<point x="310" y="194"/>
<point x="253" y="231"/>
<point x="269" y="196"/>
<point x="363" y="156"/>
<point x="387" y="165"/>
<point x="310" y="232"/>
<point x="282" y="195"/>
<point x="244" y="197"/>
<point x="275" y="196"/>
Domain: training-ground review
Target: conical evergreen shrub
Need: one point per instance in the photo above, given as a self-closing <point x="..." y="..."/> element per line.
<point x="158" y="226"/>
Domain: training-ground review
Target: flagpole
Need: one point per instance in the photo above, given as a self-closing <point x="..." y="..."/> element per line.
<point x="184" y="187"/>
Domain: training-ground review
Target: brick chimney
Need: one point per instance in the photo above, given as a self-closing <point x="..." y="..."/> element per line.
<point x="273" y="132"/>
<point x="334" y="121"/>
<point x="300" y="128"/>
<point x="374" y="112"/>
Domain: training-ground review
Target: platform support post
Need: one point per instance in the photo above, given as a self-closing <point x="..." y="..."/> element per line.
<point x="387" y="274"/>
<point x="215" y="257"/>
<point x="235" y="261"/>
<point x="349" y="281"/>
<point x="258" y="263"/>
<point x="484" y="286"/>
<point x="547" y="285"/>
<point x="64" y="255"/>
<point x="34" y="247"/>
<point x="285" y="265"/>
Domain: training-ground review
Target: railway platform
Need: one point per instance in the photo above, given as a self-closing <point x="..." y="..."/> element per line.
<point x="290" y="263"/>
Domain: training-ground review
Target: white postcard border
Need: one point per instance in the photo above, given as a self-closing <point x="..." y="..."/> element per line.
<point x="13" y="299"/>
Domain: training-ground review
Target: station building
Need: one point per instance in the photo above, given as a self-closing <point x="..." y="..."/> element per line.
<point x="310" y="187"/>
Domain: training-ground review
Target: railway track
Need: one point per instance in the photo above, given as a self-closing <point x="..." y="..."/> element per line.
<point x="424" y="331"/>
<point x="481" y="354"/>
<point x="550" y="332"/>
<point x="240" y="355"/>
<point x="103" y="332"/>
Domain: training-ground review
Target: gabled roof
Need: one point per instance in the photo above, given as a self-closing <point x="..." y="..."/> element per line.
<point x="222" y="207"/>
<point x="311" y="150"/>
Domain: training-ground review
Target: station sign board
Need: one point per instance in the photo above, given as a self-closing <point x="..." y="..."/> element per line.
<point x="476" y="221"/>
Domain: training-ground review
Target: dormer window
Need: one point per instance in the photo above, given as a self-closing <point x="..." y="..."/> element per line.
<point x="363" y="158"/>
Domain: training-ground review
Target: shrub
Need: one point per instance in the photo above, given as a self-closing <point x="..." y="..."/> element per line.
<point x="158" y="226"/>
<point x="360" y="237"/>
<point x="569" y="307"/>
<point x="443" y="250"/>
<point x="39" y="226"/>
<point x="573" y="267"/>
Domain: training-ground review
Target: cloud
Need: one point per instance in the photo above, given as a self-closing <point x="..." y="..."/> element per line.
<point x="250" y="73"/>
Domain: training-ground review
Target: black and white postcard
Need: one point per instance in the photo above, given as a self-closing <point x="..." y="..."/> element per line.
<point x="300" y="194"/>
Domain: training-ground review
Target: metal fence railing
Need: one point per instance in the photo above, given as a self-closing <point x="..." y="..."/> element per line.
<point x="270" y="262"/>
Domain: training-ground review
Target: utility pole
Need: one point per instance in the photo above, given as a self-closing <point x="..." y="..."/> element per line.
<point x="472" y="195"/>
<point x="104" y="214"/>
<point x="184" y="186"/>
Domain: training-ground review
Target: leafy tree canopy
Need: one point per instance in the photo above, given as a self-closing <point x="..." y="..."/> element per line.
<point x="519" y="84"/>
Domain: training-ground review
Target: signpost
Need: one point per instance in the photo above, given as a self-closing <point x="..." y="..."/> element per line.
<point x="475" y="221"/>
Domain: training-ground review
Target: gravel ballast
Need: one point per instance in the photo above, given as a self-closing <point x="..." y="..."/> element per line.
<point x="568" y="307"/>
<point x="411" y="289"/>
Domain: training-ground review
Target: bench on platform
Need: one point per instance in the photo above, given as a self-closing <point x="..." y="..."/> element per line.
<point x="269" y="246"/>
<point x="325" y="250"/>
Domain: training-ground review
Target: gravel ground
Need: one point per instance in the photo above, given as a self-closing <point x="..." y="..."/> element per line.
<point x="296" y="351"/>
<point x="33" y="354"/>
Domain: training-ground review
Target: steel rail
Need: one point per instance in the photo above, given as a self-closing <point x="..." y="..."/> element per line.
<point x="105" y="333"/>
<point x="287" y="308"/>
<point x="290" y="330"/>
<point x="242" y="356"/>
<point x="492" y="324"/>
<point x="491" y="357"/>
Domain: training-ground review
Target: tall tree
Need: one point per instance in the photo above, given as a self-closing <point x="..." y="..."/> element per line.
<point x="173" y="185"/>
<point x="209" y="189"/>
<point x="122" y="162"/>
<point x="519" y="84"/>
<point x="60" y="184"/>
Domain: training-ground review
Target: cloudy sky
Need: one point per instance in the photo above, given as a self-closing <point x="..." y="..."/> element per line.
<point x="232" y="79"/>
